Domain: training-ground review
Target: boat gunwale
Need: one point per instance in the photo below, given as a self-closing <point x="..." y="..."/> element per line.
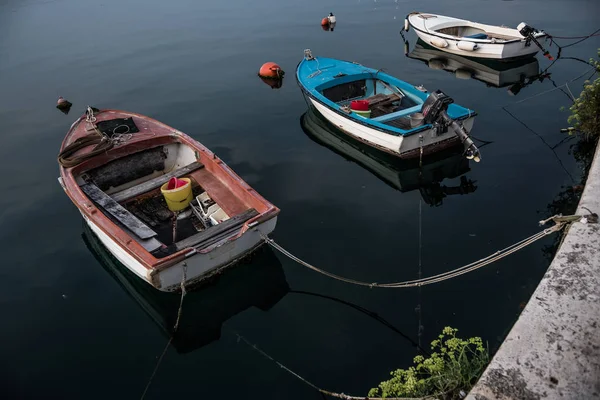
<point x="118" y="235"/>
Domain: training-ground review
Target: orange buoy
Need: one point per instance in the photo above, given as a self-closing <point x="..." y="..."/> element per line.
<point x="271" y="70"/>
<point x="325" y="21"/>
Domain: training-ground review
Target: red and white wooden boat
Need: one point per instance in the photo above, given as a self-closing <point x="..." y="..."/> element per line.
<point x="116" y="187"/>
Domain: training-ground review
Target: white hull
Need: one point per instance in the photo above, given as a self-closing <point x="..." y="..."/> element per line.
<point x="372" y="137"/>
<point x="198" y="266"/>
<point x="459" y="36"/>
<point x="397" y="145"/>
<point x="495" y="51"/>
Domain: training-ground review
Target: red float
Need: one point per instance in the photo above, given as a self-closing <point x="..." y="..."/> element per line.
<point x="271" y="70"/>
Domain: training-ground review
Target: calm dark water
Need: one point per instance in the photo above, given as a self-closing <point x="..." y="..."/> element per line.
<point x="71" y="329"/>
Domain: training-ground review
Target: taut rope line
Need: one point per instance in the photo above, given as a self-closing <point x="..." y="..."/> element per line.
<point x="560" y="223"/>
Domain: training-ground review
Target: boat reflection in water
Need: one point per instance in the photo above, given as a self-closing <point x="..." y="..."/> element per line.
<point x="514" y="74"/>
<point x="257" y="281"/>
<point x="404" y="175"/>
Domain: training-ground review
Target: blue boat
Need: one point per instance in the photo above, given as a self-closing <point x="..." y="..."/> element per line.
<point x="382" y="111"/>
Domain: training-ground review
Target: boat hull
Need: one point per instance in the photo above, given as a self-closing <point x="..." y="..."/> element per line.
<point x="461" y="37"/>
<point x="494" y="51"/>
<point x="405" y="147"/>
<point x="198" y="266"/>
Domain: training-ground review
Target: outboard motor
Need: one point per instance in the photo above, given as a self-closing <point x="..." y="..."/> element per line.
<point x="529" y="33"/>
<point x="434" y="113"/>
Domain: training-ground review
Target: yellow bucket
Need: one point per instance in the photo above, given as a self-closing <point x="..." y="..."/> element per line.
<point x="179" y="198"/>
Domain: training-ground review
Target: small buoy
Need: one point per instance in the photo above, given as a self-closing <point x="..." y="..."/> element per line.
<point x="270" y="70"/>
<point x="325" y="22"/>
<point x="466" y="46"/>
<point x="63" y="105"/>
<point x="273" y="83"/>
<point x="439" y="42"/>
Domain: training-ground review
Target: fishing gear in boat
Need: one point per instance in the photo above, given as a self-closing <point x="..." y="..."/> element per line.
<point x="529" y="33"/>
<point x="434" y="113"/>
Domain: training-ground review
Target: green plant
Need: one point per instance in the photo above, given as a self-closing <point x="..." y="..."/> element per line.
<point x="585" y="111"/>
<point x="454" y="366"/>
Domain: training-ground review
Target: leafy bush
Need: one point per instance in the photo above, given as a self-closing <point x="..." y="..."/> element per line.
<point x="454" y="367"/>
<point x="585" y="111"/>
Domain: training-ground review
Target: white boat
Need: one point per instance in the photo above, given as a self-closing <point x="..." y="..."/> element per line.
<point x="472" y="39"/>
<point x="494" y="73"/>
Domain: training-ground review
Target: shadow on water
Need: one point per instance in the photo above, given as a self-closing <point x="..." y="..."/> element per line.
<point x="257" y="281"/>
<point x="515" y="74"/>
<point x="403" y="175"/>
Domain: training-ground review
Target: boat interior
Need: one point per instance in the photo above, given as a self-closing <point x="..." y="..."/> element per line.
<point x="128" y="191"/>
<point x="472" y="32"/>
<point x="388" y="104"/>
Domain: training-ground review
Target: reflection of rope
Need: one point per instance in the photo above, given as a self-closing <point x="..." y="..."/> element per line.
<point x="544" y="141"/>
<point x="175" y="327"/>
<point x="560" y="222"/>
<point x="323" y="391"/>
<point x="367" y="312"/>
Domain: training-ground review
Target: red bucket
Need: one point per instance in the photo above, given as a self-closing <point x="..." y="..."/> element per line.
<point x="175" y="183"/>
<point x="360" y="105"/>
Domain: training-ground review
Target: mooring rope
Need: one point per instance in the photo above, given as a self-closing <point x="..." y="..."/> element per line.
<point x="559" y="220"/>
<point x="175" y="327"/>
<point x="323" y="391"/>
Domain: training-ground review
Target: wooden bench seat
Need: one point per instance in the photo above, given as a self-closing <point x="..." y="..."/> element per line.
<point x="117" y="211"/>
<point x="155" y="183"/>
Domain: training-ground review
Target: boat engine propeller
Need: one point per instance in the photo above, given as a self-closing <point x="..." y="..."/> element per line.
<point x="434" y="113"/>
<point x="529" y="32"/>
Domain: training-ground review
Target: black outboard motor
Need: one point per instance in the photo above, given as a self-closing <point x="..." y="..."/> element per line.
<point x="529" y="32"/>
<point x="434" y="113"/>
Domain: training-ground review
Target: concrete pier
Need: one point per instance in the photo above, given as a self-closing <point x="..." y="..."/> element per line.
<point x="553" y="351"/>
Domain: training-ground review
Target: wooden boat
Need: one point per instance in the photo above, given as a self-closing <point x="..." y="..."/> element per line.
<point x="116" y="187"/>
<point x="257" y="281"/>
<point x="491" y="72"/>
<point x="472" y="39"/>
<point x="401" y="119"/>
<point x="402" y="175"/>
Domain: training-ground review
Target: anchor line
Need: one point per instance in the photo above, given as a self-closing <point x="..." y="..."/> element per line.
<point x="344" y="396"/>
<point x="175" y="327"/>
<point x="560" y="223"/>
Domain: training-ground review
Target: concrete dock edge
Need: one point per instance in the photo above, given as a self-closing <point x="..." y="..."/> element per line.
<point x="553" y="350"/>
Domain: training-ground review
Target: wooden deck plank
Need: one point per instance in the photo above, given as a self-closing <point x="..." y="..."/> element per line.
<point x="117" y="211"/>
<point x="155" y="182"/>
<point x="230" y="225"/>
<point x="220" y="193"/>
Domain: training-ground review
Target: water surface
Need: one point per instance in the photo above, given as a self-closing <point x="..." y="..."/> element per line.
<point x="72" y="329"/>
